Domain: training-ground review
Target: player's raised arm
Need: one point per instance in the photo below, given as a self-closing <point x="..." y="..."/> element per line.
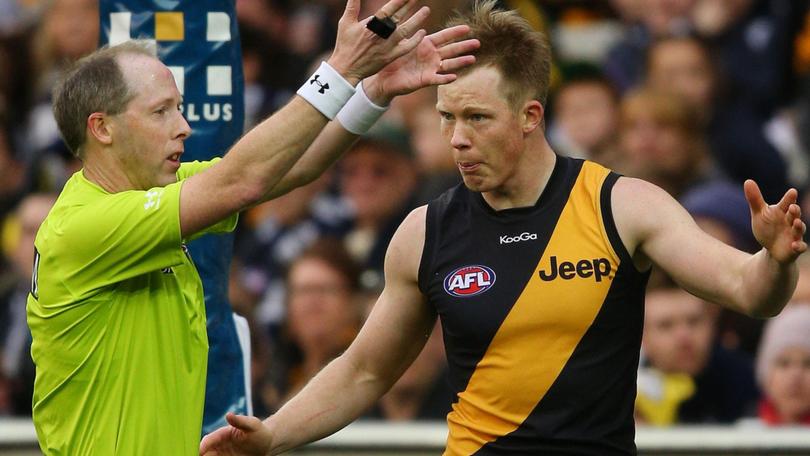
<point x="257" y="162"/>
<point x="393" y="335"/>
<point x="658" y="229"/>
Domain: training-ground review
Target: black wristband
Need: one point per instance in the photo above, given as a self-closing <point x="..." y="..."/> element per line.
<point x="381" y="27"/>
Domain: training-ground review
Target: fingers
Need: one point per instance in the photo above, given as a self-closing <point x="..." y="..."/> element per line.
<point x="210" y="443"/>
<point x="411" y="43"/>
<point x="451" y="65"/>
<point x="790" y="197"/>
<point x="407" y="28"/>
<point x="447" y="35"/>
<point x="798" y="229"/>
<point x="454" y="49"/>
<point x="352" y="10"/>
<point x="392" y="8"/>
<point x="754" y="196"/>
<point x="242" y="422"/>
<point x="403" y="12"/>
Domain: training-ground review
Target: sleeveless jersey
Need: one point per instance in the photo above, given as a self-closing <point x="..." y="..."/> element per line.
<point x="542" y="310"/>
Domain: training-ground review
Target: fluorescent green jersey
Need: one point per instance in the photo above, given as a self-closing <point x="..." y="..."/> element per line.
<point x="118" y="322"/>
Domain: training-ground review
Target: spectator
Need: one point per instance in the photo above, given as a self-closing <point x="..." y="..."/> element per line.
<point x="660" y="141"/>
<point x="271" y="237"/>
<point x="625" y="63"/>
<point x="688" y="377"/>
<point x="378" y="178"/>
<point x="15" y="338"/>
<point x="783" y="368"/>
<point x="720" y="209"/>
<point x="323" y="317"/>
<point x="585" y="118"/>
<point x="683" y="65"/>
<point x="437" y="167"/>
<point x="69" y="30"/>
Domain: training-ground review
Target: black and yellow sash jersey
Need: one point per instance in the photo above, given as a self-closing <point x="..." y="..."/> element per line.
<point x="542" y="312"/>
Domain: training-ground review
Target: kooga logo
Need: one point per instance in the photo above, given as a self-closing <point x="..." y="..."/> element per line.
<point x="521" y="237"/>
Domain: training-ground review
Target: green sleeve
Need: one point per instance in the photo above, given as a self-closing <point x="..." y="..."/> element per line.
<point x="191" y="168"/>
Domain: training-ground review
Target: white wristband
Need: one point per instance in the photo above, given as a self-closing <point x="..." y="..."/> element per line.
<point x="327" y="91"/>
<point x="360" y="113"/>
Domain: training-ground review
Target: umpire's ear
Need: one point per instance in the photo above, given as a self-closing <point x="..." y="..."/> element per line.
<point x="99" y="128"/>
<point x="532" y="116"/>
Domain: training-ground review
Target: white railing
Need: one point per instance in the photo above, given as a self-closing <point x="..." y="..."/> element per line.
<point x="429" y="438"/>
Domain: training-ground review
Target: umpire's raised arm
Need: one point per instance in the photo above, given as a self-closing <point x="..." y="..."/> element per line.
<point x="264" y="155"/>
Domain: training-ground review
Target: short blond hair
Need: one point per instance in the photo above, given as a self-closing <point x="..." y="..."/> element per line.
<point x="509" y="44"/>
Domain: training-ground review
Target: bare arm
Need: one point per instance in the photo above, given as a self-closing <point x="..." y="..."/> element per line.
<point x="657" y="229"/>
<point x="390" y="340"/>
<point x="258" y="161"/>
<point x="431" y="63"/>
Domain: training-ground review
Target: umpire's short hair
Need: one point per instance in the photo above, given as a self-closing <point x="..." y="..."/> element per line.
<point x="95" y="83"/>
<point x="509" y="43"/>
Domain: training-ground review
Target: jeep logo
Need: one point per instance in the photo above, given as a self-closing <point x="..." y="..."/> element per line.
<point x="518" y="238"/>
<point x="598" y="268"/>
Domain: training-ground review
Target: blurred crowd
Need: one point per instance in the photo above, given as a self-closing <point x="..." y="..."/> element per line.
<point x="693" y="95"/>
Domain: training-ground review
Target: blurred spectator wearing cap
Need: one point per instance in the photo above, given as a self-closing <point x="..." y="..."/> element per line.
<point x="783" y="368"/>
<point x="660" y="140"/>
<point x="687" y="377"/>
<point x="378" y="178"/>
<point x="720" y="209"/>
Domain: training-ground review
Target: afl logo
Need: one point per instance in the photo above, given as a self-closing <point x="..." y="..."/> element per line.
<point x="469" y="281"/>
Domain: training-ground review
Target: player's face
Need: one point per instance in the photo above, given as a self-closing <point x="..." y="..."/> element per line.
<point x="150" y="132"/>
<point x="483" y="130"/>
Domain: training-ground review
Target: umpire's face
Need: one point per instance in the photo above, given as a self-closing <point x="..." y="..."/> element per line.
<point x="148" y="136"/>
<point x="488" y="137"/>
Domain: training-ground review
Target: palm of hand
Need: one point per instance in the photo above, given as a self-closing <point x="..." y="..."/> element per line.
<point x="413" y="70"/>
<point x="777" y="227"/>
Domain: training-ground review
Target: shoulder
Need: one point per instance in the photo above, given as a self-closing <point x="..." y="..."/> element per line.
<point x="641" y="209"/>
<point x="405" y="250"/>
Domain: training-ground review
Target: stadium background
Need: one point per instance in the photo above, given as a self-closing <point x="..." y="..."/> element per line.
<point x="694" y="95"/>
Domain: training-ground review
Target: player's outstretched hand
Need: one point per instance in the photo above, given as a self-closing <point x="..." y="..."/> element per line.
<point x="778" y="227"/>
<point x="433" y="62"/>
<point x="245" y="435"/>
<point x="359" y="52"/>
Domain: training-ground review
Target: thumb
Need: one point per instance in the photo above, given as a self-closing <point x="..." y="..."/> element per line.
<point x="754" y="196"/>
<point x="243" y="423"/>
<point x="352" y="10"/>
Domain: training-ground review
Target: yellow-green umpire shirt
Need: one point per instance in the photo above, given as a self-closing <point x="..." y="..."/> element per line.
<point x="118" y="322"/>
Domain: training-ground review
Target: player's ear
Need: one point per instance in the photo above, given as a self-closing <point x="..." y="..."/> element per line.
<point x="532" y="116"/>
<point x="100" y="128"/>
